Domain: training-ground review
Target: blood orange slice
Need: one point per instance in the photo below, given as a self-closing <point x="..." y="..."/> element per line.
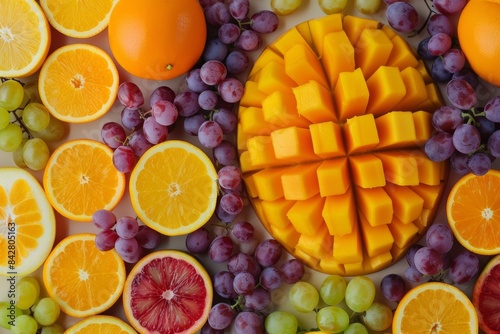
<point x="486" y="297"/>
<point x="167" y="291"/>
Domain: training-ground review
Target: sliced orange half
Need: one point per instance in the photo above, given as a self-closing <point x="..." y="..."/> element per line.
<point x="27" y="223"/>
<point x="24" y="38"/>
<point x="80" y="178"/>
<point x="101" y="324"/>
<point x="173" y="187"/>
<point x="82" y="279"/>
<point x="78" y="83"/>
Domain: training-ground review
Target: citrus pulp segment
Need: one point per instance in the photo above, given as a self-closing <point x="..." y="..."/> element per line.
<point x="173" y="187"/>
<point x="78" y="19"/>
<point x="486" y="296"/>
<point x="27" y="223"/>
<point x="101" y="324"/>
<point x="167" y="291"/>
<point x="82" y="279"/>
<point x="80" y="178"/>
<point x="24" y="38"/>
<point x="331" y="132"/>
<point x="78" y="83"/>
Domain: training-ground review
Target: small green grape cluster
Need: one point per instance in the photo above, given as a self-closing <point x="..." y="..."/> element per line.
<point x="332" y="316"/>
<point x="26" y="124"/>
<point x="28" y="312"/>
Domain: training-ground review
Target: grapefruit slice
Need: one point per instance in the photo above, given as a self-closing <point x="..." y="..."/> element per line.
<point x="486" y="297"/>
<point x="167" y="291"/>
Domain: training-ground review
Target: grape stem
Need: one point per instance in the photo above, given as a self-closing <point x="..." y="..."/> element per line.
<point x="419" y="30"/>
<point x="14" y="112"/>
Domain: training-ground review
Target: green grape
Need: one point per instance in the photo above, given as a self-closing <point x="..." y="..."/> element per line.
<point x="27" y="292"/>
<point x="53" y="132"/>
<point x="332" y="6"/>
<point x="367" y="7"/>
<point x="46" y="311"/>
<point x="285" y="7"/>
<point x="332" y="319"/>
<point x="17" y="155"/>
<point x="281" y="322"/>
<point x="35" y="116"/>
<point x="303" y="296"/>
<point x="11" y="137"/>
<point x="8" y="313"/>
<point x="332" y="289"/>
<point x="11" y="94"/>
<point x="52" y="329"/>
<point x="360" y="293"/>
<point x="356" y="328"/>
<point x="36" y="153"/>
<point x="4" y="117"/>
<point x="377" y="317"/>
<point x="31" y="92"/>
<point x="24" y="324"/>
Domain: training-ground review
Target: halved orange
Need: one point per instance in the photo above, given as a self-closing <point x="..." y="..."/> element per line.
<point x="473" y="211"/>
<point x="76" y="18"/>
<point x="78" y="83"/>
<point x="82" y="279"/>
<point x="435" y="307"/>
<point x="24" y="38"/>
<point x="173" y="187"/>
<point x="27" y="223"/>
<point x="105" y="324"/>
<point x="80" y="178"/>
<point x="167" y="291"/>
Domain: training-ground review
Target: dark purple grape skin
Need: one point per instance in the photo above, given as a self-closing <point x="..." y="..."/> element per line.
<point x="438" y="72"/>
<point x="123" y="159"/>
<point x="463" y="267"/>
<point x="192" y="124"/>
<point x="221" y="315"/>
<point x="459" y="163"/>
<point x="161" y="93"/>
<point x="239" y="9"/>
<point x="440" y="23"/>
<point x="413" y="275"/>
<point x="468" y="75"/>
<point x="292" y="271"/>
<point x="228" y="33"/>
<point x="492" y="109"/>
<point x="428" y="261"/>
<point x="393" y="287"/>
<point x="410" y="254"/>
<point x="243" y="262"/>
<point x="215" y="50"/>
<point x="271" y="278"/>
<point x="479" y="163"/>
<point x="493" y="144"/>
<point x="440" y="238"/>
<point x="258" y="300"/>
<point x="268" y="252"/>
<point x="264" y="21"/>
<point x="217" y="14"/>
<point x="466" y="138"/>
<point x="243" y="231"/>
<point x="244" y="283"/>
<point x="113" y="134"/>
<point x="439" y="146"/>
<point x="221" y="248"/>
<point x="227" y="119"/>
<point x="447" y="119"/>
<point x="187" y="103"/>
<point x="485" y="127"/>
<point x="423" y="49"/>
<point x="198" y="241"/>
<point x="223" y="284"/>
<point x="131" y="119"/>
<point x="402" y="17"/>
<point x="461" y="94"/>
<point x="224" y="153"/>
<point x="247" y="322"/>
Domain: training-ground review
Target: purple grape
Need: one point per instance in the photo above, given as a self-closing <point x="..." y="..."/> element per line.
<point x="217" y="14"/>
<point x="454" y="60"/>
<point x="227" y="120"/>
<point x="292" y="270"/>
<point x="138" y="142"/>
<point x="440" y="23"/>
<point x="213" y="72"/>
<point x="154" y="132"/>
<point x="248" y="40"/>
<point x="205" y="3"/>
<point x="449" y="7"/>
<point x="268" y="252"/>
<point x="130" y="95"/>
<point x="221" y="316"/>
<point x="428" y="261"/>
<point x="438" y="72"/>
<point x="258" y="300"/>
<point x="459" y="163"/>
<point x="461" y="94"/>
<point x="463" y="267"/>
<point x="192" y="124"/>
<point x="493" y="144"/>
<point x="423" y="49"/>
<point x="244" y="283"/>
<point x="410" y="254"/>
<point x="446" y="260"/>
<point x="231" y="203"/>
<point x="237" y="62"/>
<point x="447" y="119"/>
<point x="439" y="44"/>
<point x="223" y="215"/>
<point x="124" y="159"/>
<point x="194" y="82"/>
<point x="485" y="127"/>
<point x="479" y="163"/>
<point x="393" y="287"/>
<point x="127" y="227"/>
<point x="164" y="112"/>
<point x="264" y="21"/>
<point x="231" y="90"/>
<point x="187" y="103"/>
<point x="113" y="134"/>
<point x="239" y="9"/>
<point x="243" y="231"/>
<point x="127" y="248"/>
<point x="402" y="17"/>
<point x="208" y="100"/>
<point x="247" y="322"/>
<point x="223" y="284"/>
<point x="210" y="134"/>
<point x="468" y="75"/>
<point x="271" y="278"/>
<point x="131" y="118"/>
<point x="221" y="248"/>
<point x="466" y="138"/>
<point x="105" y="240"/>
<point x="413" y="275"/>
<point x="162" y="93"/>
<point x="228" y="33"/>
<point x="492" y="109"/>
<point x="198" y="241"/>
<point x="241" y="262"/>
<point x="440" y="238"/>
<point x="207" y="329"/>
<point x="133" y="257"/>
<point x="229" y="177"/>
<point x="224" y="153"/>
<point x="104" y="219"/>
<point x="439" y="146"/>
<point x="215" y="50"/>
<point x="147" y="237"/>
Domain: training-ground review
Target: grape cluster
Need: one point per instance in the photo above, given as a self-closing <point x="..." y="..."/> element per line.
<point x="129" y="238"/>
<point x="26" y="124"/>
<point x="30" y="313"/>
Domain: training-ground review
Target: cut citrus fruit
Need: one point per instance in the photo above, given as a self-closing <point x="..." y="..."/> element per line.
<point x="82" y="279"/>
<point x="24" y="38"/>
<point x="173" y="187"/>
<point x="105" y="324"/>
<point x="435" y="307"/>
<point x="80" y="178"/>
<point x="486" y="297"/>
<point x="78" y="83"/>
<point x="27" y="223"/>
<point x="167" y="291"/>
<point x="473" y="211"/>
<point x="78" y="19"/>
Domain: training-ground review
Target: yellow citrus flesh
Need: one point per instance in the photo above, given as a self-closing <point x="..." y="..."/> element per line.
<point x="101" y="324"/>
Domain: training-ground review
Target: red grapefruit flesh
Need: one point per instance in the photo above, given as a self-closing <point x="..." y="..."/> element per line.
<point x="167" y="292"/>
<point x="486" y="297"/>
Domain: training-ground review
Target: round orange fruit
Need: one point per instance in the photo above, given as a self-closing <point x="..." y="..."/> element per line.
<point x="157" y="39"/>
<point x="486" y="297"/>
<point x="479" y="35"/>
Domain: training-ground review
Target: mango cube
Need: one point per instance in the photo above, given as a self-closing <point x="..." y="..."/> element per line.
<point x="287" y="235"/>
<point x="266" y="56"/>
<point x="327" y="139"/>
<point x="302" y="65"/>
<point x="333" y="177"/>
<point x="300" y="182"/>
<point x="403" y="233"/>
<point x="294" y="144"/>
<point x="351" y="102"/>
<point x="348" y="248"/>
<point x="280" y="110"/>
<point x="308" y="243"/>
<point x="268" y="183"/>
<point x="306" y="215"/>
<point x="286" y="41"/>
<point x="314" y="102"/>
<point x="275" y="212"/>
<point x="261" y="152"/>
<point x="400" y="167"/>
<point x="402" y="56"/>
<point x="322" y="26"/>
<point x="377" y="239"/>
<point x="416" y="93"/>
<point x="252" y="121"/>
<point x="374" y="205"/>
<point x="396" y="129"/>
<point x="386" y="89"/>
<point x="406" y="203"/>
<point x="354" y="26"/>
<point x="360" y="133"/>
<point x="373" y="48"/>
<point x="367" y="171"/>
<point x="273" y="77"/>
<point x="423" y="126"/>
<point x="339" y="213"/>
<point x="338" y="56"/>
<point x="253" y="96"/>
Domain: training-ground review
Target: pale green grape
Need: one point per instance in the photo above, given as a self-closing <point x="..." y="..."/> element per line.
<point x="377" y="317"/>
<point x="46" y="311"/>
<point x="36" y="117"/>
<point x="332" y="289"/>
<point x="332" y="319"/>
<point x="27" y="292"/>
<point x="285" y="7"/>
<point x="11" y="137"/>
<point x="11" y="94"/>
<point x="4" y="117"/>
<point x="281" y="322"/>
<point x="303" y="296"/>
<point x="356" y="328"/>
<point x="8" y="312"/>
<point x="332" y="6"/>
<point x="17" y="155"/>
<point x="36" y="153"/>
<point x="53" y="132"/>
<point x="52" y="329"/>
<point x="367" y="7"/>
<point x="31" y="92"/>
<point x="360" y="293"/>
<point x="24" y="324"/>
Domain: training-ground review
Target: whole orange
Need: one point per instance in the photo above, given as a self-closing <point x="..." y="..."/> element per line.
<point x="157" y="39"/>
<point x="479" y="37"/>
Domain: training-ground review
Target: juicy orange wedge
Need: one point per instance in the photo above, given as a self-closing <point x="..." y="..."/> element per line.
<point x="101" y="324"/>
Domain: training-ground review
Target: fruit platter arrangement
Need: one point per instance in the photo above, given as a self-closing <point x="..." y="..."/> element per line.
<point x="249" y="166"/>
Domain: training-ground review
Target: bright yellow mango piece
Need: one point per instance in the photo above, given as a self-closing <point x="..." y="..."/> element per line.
<point x="246" y="165"/>
<point x="308" y="243"/>
<point x="338" y="55"/>
<point x="423" y="126"/>
<point x="380" y="261"/>
<point x="287" y="235"/>
<point x="268" y="183"/>
<point x="402" y="56"/>
<point x="327" y="139"/>
<point x="351" y="102"/>
<point x="367" y="171"/>
<point x="416" y="93"/>
<point x="339" y="213"/>
<point x="377" y="239"/>
<point x="333" y="177"/>
<point x="434" y="98"/>
<point x="307" y="259"/>
<point x="348" y="248"/>
<point x="386" y="89"/>
<point x="429" y="172"/>
<point x="306" y="215"/>
<point x="280" y="109"/>
<point x="261" y="152"/>
<point x="354" y="26"/>
<point x="273" y="77"/>
<point x="293" y="143"/>
<point x="406" y="203"/>
<point x="400" y="167"/>
<point x="275" y="212"/>
<point x="403" y="233"/>
<point x="253" y="96"/>
<point x="396" y="129"/>
<point x="250" y="185"/>
<point x="355" y="268"/>
<point x="241" y="137"/>
<point x="302" y="65"/>
<point x="252" y="121"/>
<point x="360" y="133"/>
<point x="374" y="205"/>
<point x="322" y="26"/>
<point x="328" y="264"/>
<point x="372" y="50"/>
<point x="286" y="41"/>
<point x="265" y="57"/>
<point x="424" y="72"/>
<point x="258" y="209"/>
<point x="423" y="221"/>
<point x="300" y="182"/>
<point x="314" y="102"/>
